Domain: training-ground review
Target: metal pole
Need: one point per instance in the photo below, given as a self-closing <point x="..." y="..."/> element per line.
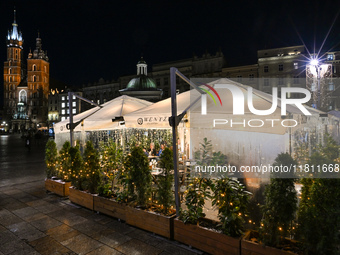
<point x="70" y="94"/>
<point x="319" y="89"/>
<point x="174" y="134"/>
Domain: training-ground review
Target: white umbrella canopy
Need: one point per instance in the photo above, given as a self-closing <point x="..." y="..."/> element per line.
<point x="104" y="118"/>
<point x="156" y="115"/>
<point x="60" y="127"/>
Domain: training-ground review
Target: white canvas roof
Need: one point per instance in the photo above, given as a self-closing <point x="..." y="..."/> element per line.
<point x="103" y="118"/>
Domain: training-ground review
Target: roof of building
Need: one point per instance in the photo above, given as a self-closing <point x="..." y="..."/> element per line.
<point x="142" y="82"/>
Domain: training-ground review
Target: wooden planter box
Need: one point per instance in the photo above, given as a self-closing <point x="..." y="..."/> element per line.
<point x="150" y="221"/>
<point x="109" y="207"/>
<point x="81" y="198"/>
<point x="58" y="187"/>
<point x="252" y="248"/>
<point x="205" y="239"/>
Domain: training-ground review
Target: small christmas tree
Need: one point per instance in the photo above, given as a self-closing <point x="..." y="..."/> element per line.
<point x="91" y="168"/>
<point x="140" y="175"/>
<point x="165" y="179"/>
<point x="64" y="166"/>
<point x="77" y="164"/>
<point x="280" y="205"/>
<point x="51" y="158"/>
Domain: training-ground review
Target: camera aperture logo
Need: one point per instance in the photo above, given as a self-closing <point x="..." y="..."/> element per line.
<point x="209" y="93"/>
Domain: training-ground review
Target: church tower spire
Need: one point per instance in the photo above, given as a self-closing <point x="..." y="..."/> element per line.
<point x="13" y="68"/>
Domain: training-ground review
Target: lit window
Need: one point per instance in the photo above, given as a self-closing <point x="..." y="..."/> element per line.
<point x="62" y="105"/>
<point x="68" y="111"/>
<point x="63" y="112"/>
<point x="296" y="65"/>
<point x="63" y="98"/>
<point x="98" y="101"/>
<point x="74" y="104"/>
<point x="62" y="118"/>
<point x="331" y="86"/>
<point x="74" y="97"/>
<point x="330" y="57"/>
<point x="74" y="110"/>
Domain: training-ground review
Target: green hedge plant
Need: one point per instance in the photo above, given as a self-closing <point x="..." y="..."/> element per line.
<point x="280" y="205"/>
<point x="51" y="159"/>
<point x="231" y="199"/>
<point x="165" y="179"/>
<point x="91" y="168"/>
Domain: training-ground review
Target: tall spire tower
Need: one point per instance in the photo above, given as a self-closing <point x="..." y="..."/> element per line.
<point x="25" y="91"/>
<point x="38" y="80"/>
<point x="13" y="68"/>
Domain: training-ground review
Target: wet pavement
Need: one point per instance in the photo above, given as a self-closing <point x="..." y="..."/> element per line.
<point x="18" y="163"/>
<point x="33" y="221"/>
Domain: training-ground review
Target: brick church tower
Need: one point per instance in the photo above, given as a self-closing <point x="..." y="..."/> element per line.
<point x="25" y="91"/>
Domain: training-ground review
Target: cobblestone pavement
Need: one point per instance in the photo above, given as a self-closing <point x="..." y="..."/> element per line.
<point x="35" y="222"/>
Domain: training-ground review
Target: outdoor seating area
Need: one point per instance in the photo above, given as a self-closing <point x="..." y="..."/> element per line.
<point x="122" y="164"/>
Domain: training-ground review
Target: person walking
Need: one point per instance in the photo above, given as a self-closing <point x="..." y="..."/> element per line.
<point x="28" y="141"/>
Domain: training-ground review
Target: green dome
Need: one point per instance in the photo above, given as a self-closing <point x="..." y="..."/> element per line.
<point x="141" y="83"/>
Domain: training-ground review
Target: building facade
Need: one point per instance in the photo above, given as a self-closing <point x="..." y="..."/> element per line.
<point x="26" y="83"/>
<point x="205" y="66"/>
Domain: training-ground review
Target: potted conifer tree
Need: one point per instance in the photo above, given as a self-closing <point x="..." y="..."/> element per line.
<point x="154" y="217"/>
<point x="278" y="215"/>
<point x="319" y="208"/>
<point x="228" y="196"/>
<point x="89" y="176"/>
<point x="55" y="180"/>
<point x="215" y="237"/>
<point x="106" y="201"/>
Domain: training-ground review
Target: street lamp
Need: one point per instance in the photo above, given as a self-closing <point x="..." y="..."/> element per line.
<point x="316" y="78"/>
<point x="315" y="62"/>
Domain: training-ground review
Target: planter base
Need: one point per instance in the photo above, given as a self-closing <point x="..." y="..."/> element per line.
<point x="58" y="187"/>
<point x="81" y="198"/>
<point x="205" y="239"/>
<point x="109" y="207"/>
<point x="150" y="221"/>
<point x="249" y="248"/>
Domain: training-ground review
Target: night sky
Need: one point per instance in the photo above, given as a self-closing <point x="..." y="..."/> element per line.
<point x="88" y="40"/>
